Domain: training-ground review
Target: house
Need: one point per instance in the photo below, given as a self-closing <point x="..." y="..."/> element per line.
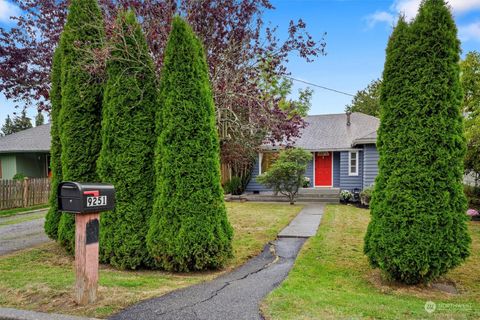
<point x="26" y="152"/>
<point x="343" y="149"/>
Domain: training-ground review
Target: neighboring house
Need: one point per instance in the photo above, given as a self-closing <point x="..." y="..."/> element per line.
<point x="26" y="152"/>
<point x="343" y="149"/>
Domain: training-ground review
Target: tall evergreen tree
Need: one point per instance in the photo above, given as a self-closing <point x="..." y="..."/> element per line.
<point x="19" y="123"/>
<point x="81" y="102"/>
<point x="22" y="122"/>
<point x="189" y="229"/>
<point x="53" y="216"/>
<point x="418" y="229"/>
<point x="128" y="142"/>
<point x="7" y="127"/>
<point x="39" y="118"/>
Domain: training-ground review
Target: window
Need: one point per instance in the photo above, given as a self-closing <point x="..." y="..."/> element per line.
<point x="353" y="163"/>
<point x="266" y="161"/>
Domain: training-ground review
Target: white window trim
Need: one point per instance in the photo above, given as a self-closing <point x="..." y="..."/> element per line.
<point x="350" y="173"/>
<point x="260" y="159"/>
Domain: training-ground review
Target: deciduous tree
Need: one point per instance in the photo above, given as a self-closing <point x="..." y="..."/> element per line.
<point x="238" y="44"/>
<point x="367" y="100"/>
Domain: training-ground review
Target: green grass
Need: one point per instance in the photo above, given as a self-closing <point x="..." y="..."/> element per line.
<point x="331" y="279"/>
<point x="11" y="212"/>
<point x="42" y="278"/>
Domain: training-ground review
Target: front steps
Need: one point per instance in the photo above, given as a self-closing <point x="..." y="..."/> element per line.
<point x="325" y="195"/>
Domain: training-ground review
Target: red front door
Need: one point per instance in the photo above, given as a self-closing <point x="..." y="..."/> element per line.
<point x="323" y="169"/>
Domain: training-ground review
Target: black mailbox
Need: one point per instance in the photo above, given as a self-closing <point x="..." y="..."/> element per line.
<point x="76" y="197"/>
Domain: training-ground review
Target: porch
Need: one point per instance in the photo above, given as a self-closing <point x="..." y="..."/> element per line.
<point x="319" y="194"/>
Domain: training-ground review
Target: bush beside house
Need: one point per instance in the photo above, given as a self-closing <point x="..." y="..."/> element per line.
<point x="287" y="174"/>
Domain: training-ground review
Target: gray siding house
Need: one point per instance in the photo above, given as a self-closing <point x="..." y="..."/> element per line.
<point x="344" y="155"/>
<point x="26" y="152"/>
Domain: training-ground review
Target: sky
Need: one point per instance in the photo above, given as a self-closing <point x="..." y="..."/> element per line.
<point x="357" y="32"/>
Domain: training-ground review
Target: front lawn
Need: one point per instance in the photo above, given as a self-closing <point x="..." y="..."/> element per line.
<point x="331" y="279"/>
<point x="42" y="278"/>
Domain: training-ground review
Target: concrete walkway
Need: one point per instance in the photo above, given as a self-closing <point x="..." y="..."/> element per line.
<point x="235" y="295"/>
<point x="305" y="224"/>
<point x="17" y="236"/>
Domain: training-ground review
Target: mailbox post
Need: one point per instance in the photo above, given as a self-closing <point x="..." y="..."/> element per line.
<point x="86" y="201"/>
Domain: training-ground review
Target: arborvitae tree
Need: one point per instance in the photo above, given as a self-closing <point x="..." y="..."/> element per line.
<point x="128" y="143"/>
<point x="392" y="86"/>
<point x="53" y="216"/>
<point x="189" y="229"/>
<point x="39" y="118"/>
<point x="81" y="102"/>
<point x="418" y="230"/>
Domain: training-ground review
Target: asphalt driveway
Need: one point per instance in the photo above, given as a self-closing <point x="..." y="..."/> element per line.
<point x="22" y="231"/>
<point x="235" y="295"/>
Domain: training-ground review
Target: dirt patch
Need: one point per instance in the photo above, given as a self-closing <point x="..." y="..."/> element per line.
<point x="443" y="288"/>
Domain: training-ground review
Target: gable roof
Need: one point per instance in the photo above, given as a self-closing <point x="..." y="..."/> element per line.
<point x="329" y="132"/>
<point x="35" y="139"/>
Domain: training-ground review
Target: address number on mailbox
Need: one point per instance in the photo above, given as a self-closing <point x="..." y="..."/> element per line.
<point x="96" y="201"/>
<point x="79" y="198"/>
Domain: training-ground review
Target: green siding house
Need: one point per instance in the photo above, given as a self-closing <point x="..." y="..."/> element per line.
<point x="26" y="152"/>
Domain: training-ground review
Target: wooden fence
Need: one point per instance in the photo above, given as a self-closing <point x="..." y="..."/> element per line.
<point x="22" y="194"/>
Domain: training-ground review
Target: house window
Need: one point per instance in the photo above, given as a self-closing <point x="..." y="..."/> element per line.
<point x="266" y="161"/>
<point x="353" y="163"/>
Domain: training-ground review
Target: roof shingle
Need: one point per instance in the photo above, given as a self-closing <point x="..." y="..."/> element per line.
<point x="31" y="140"/>
<point x="330" y="131"/>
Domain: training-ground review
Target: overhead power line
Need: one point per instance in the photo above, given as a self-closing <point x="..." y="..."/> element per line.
<point x="321" y="87"/>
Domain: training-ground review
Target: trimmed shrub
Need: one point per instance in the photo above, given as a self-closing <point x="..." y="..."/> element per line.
<point x="366" y="195"/>
<point x="234" y="186"/>
<point x="53" y="216"/>
<point x="418" y="230"/>
<point x="19" y="176"/>
<point x="346" y="196"/>
<point x="189" y="229"/>
<point x="128" y="140"/>
<point x="81" y="102"/>
<point x="287" y="174"/>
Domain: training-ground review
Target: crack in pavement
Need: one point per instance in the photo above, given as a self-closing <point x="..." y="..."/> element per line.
<point x="237" y="294"/>
<point x="227" y="283"/>
<point x="234" y="295"/>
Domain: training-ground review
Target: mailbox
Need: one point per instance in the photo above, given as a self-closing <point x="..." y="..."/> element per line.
<point x="76" y="197"/>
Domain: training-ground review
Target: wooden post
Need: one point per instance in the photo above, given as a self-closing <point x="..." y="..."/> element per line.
<point x="25" y="192"/>
<point x="86" y="257"/>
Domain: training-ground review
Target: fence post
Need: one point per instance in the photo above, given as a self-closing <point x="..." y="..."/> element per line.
<point x="25" y="192"/>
